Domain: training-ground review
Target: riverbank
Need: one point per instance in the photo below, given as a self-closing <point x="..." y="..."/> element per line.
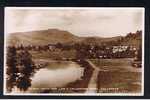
<point x="79" y="86"/>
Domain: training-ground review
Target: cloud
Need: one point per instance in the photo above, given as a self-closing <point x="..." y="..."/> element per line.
<point x="82" y="22"/>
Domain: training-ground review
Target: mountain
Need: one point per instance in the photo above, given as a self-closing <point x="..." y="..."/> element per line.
<point x="53" y="36"/>
<point x="41" y="37"/>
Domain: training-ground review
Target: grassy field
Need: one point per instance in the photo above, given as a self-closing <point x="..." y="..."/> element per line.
<point x="56" y="55"/>
<point x="120" y="82"/>
<point x="117" y="75"/>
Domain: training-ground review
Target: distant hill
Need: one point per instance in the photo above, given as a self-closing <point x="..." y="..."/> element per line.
<point x="99" y="40"/>
<point x="53" y="36"/>
<point x="41" y="37"/>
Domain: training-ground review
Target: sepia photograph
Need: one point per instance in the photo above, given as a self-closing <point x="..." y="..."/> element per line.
<point x="74" y="51"/>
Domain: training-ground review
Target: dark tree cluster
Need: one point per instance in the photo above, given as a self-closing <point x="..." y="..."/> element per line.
<point x="138" y="33"/>
<point x="97" y="52"/>
<point x="12" y="70"/>
<point x="20" y="68"/>
<point x="26" y="70"/>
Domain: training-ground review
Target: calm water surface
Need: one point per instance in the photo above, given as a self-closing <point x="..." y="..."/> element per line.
<point x="56" y="74"/>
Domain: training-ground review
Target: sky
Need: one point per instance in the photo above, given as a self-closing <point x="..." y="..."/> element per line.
<point x="103" y="22"/>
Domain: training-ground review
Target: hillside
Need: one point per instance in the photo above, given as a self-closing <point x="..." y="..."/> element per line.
<point x="134" y="39"/>
<point x="41" y="37"/>
<point x="99" y="40"/>
<point x="53" y="36"/>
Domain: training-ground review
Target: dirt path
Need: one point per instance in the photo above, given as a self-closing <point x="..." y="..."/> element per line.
<point x="92" y="86"/>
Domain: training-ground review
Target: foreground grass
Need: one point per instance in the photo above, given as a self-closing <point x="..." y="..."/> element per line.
<point x="119" y="82"/>
<point x="115" y="76"/>
<point x="112" y="62"/>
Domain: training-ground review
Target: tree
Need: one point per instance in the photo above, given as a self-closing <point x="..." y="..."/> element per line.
<point x="26" y="70"/>
<point x="139" y="55"/>
<point x="59" y="45"/>
<point x="12" y="69"/>
<point x="23" y="83"/>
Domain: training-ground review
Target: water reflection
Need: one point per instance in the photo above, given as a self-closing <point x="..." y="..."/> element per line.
<point x="56" y="75"/>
